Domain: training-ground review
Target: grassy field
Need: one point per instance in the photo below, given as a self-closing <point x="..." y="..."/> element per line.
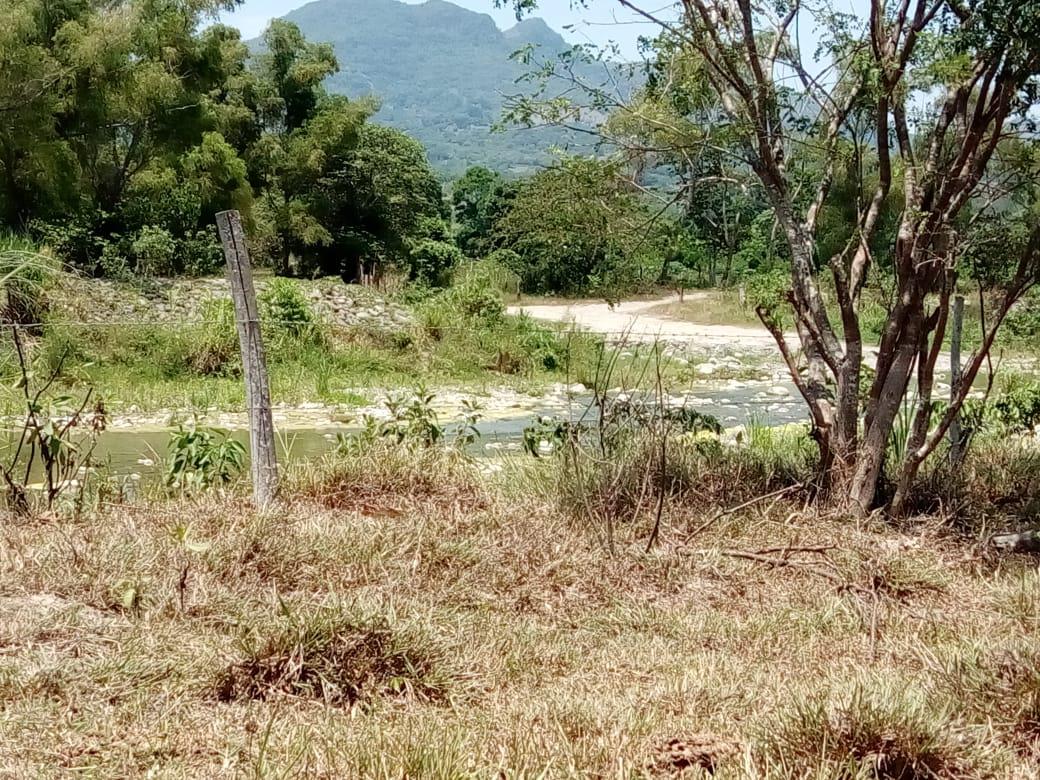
<point x="404" y="616"/>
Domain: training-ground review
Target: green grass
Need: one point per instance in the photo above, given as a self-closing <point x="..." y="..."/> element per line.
<point x="159" y="367"/>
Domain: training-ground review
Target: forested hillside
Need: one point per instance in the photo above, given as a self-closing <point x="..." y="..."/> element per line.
<point x="440" y="73"/>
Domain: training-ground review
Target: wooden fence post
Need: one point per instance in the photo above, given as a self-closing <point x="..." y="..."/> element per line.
<point x="956" y="331"/>
<point x="254" y="365"/>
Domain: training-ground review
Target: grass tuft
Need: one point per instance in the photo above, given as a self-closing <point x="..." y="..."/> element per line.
<point x="387" y="477"/>
<point x="338" y="657"/>
<point x="1001" y="685"/>
<point x="895" y="734"/>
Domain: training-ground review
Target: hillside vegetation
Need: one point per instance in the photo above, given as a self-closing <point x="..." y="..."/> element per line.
<point x="440" y="73"/>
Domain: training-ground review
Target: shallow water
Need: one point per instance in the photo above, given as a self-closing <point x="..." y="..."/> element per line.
<point x="125" y="451"/>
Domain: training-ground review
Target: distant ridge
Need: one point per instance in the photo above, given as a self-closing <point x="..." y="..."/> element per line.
<point x="439" y="71"/>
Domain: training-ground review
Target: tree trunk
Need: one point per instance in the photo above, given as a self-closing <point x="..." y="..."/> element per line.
<point x="889" y="390"/>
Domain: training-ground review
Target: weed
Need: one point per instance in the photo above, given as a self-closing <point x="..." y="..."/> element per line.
<point x="56" y="434"/>
<point x="213" y="348"/>
<point x="412" y="421"/>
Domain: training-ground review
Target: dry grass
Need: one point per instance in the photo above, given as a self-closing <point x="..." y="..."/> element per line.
<point x="336" y="657"/>
<point x="465" y="632"/>
<point x="709" y="307"/>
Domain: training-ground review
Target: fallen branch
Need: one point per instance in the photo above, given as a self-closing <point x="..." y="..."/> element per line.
<point x="779" y="563"/>
<point x="819" y="548"/>
<point x="725" y="512"/>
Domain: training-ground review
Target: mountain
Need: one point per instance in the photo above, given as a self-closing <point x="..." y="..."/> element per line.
<point x="440" y="73"/>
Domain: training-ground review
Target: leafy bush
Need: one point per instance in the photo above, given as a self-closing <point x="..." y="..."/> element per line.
<point x="154" y="249"/>
<point x="411" y="421"/>
<point x="1017" y="408"/>
<point x="286" y="309"/>
<point x="200" y="253"/>
<point x="77" y="241"/>
<point x="769" y="291"/>
<point x="113" y="264"/>
<point x="542" y="346"/>
<point x="1023" y="322"/>
<point x="202" y="458"/>
<point x="470" y="305"/>
<point x="431" y="262"/>
<point x="478" y="299"/>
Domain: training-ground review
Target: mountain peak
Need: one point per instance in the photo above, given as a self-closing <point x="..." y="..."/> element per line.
<point x="440" y="72"/>
<point x="535" y="30"/>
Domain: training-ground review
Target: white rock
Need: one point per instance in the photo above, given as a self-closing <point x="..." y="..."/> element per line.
<point x="705" y="369"/>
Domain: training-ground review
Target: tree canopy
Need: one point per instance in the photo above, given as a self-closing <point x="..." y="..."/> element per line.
<point x="128" y="125"/>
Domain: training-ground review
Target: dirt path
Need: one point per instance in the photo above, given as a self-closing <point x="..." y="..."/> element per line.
<point x="632" y="317"/>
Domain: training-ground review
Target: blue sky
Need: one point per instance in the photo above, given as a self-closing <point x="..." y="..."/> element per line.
<point x="602" y="23"/>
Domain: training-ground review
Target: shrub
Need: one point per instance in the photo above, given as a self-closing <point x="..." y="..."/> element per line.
<point x="769" y="291"/>
<point x="202" y="458"/>
<point x="154" y="249"/>
<point x="1017" y="407"/>
<point x="113" y="264"/>
<point x="478" y="299"/>
<point x="286" y="309"/>
<point x="1023" y="321"/>
<point x="200" y="253"/>
<point x="431" y="262"/>
<point x="77" y="241"/>
<point x="544" y="347"/>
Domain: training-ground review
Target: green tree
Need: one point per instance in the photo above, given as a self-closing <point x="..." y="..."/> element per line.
<point x="579" y="228"/>
<point x="294" y="70"/>
<point x="476" y="204"/>
<point x="920" y="96"/>
<point x="386" y="199"/>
